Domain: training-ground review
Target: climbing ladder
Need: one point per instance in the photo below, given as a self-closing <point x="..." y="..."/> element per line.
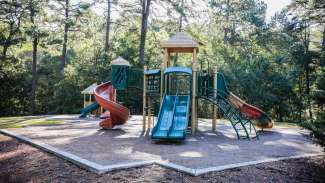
<point x="242" y="125"/>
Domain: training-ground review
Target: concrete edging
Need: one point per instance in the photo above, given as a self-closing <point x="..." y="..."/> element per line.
<point x="101" y="169"/>
<point x="236" y="165"/>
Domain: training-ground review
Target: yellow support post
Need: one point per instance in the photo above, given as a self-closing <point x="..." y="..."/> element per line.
<point x="168" y="59"/>
<point x="161" y="82"/>
<point x="144" y="100"/>
<point x="193" y="119"/>
<point x="84" y="100"/>
<point x="163" y="66"/>
<point x="149" y="114"/>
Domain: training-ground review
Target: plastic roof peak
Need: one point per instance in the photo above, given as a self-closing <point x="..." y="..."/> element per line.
<point x="120" y="61"/>
<point x="180" y="40"/>
<point x="90" y="89"/>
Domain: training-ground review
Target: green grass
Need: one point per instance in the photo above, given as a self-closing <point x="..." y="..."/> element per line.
<point x="20" y="122"/>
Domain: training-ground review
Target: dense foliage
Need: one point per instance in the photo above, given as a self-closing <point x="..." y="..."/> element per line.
<point x="53" y="49"/>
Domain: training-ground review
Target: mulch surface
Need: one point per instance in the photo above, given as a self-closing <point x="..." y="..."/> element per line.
<point x="20" y="162"/>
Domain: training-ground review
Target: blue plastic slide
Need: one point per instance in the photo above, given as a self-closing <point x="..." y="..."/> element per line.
<point x="181" y="116"/>
<point x="88" y="109"/>
<point x="173" y="118"/>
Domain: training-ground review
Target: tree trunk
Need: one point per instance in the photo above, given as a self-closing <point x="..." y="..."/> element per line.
<point x="7" y="43"/>
<point x="144" y="25"/>
<point x="108" y="24"/>
<point x="300" y="98"/>
<point x="4" y="52"/>
<point x="34" y="63"/>
<point x="226" y="28"/>
<point x="180" y="27"/>
<point x="34" y="75"/>
<point x="232" y="35"/>
<point x="65" y="37"/>
<point x="307" y="70"/>
<point x="323" y="43"/>
<point x="308" y="93"/>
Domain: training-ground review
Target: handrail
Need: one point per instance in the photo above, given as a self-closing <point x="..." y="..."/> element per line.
<point x="161" y="106"/>
<point x="174" y="108"/>
<point x="217" y="91"/>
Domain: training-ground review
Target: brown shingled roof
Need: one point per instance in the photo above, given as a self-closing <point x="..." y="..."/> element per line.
<point x="180" y="40"/>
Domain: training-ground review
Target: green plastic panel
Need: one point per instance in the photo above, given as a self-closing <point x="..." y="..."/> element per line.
<point x="119" y="76"/>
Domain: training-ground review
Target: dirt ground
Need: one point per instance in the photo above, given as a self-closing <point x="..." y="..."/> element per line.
<point x="20" y="162"/>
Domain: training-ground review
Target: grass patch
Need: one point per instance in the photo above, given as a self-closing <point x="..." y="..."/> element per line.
<point x="43" y="122"/>
<point x="20" y="122"/>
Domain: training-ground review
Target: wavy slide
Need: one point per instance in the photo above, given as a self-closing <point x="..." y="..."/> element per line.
<point x="249" y="111"/>
<point x="116" y="114"/>
<point x="173" y="118"/>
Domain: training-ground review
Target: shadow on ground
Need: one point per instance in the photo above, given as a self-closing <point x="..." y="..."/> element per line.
<point x="33" y="165"/>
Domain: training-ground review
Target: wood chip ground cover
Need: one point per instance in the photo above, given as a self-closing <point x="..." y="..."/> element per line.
<point x="20" y="162"/>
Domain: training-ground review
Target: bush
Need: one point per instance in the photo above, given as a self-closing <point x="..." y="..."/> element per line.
<point x="317" y="130"/>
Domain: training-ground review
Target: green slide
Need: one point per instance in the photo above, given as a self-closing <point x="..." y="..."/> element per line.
<point x="88" y="109"/>
<point x="173" y="118"/>
<point x="181" y="116"/>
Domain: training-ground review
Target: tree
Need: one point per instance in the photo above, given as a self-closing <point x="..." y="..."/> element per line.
<point x="246" y="15"/>
<point x="181" y="16"/>
<point x="11" y="15"/>
<point x="323" y="42"/>
<point x="144" y="24"/>
<point x="305" y="15"/>
<point x="108" y="25"/>
<point x="312" y="11"/>
<point x="35" y="33"/>
<point x="71" y="13"/>
<point x="34" y="59"/>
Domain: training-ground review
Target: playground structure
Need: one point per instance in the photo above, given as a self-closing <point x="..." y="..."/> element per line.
<point x="105" y="96"/>
<point x="178" y="90"/>
<point x="90" y="106"/>
<point x="179" y="97"/>
<point x="174" y="113"/>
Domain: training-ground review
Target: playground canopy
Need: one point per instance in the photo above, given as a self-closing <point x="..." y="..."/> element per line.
<point x="120" y="61"/>
<point x="89" y="90"/>
<point x="181" y="43"/>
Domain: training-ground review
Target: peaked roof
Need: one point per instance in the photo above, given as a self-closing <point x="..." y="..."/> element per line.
<point x="180" y="40"/>
<point x="120" y="61"/>
<point x="90" y="89"/>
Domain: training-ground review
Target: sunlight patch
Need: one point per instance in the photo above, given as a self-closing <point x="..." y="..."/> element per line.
<point x="192" y="154"/>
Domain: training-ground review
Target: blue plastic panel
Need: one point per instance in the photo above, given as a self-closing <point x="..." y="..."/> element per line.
<point x="185" y="70"/>
<point x="152" y="71"/>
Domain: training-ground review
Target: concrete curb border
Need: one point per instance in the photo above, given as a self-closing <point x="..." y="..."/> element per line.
<point x="236" y="165"/>
<point x="101" y="169"/>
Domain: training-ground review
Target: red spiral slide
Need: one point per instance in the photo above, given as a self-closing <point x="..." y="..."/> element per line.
<point x="116" y="114"/>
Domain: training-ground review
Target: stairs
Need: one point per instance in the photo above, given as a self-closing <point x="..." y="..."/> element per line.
<point x="243" y="126"/>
